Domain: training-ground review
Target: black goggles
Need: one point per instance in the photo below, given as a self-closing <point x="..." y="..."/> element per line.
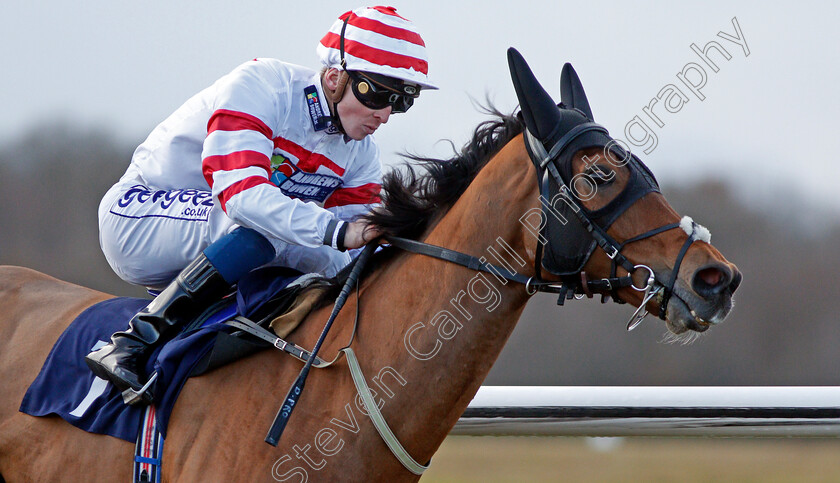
<point x="380" y="93"/>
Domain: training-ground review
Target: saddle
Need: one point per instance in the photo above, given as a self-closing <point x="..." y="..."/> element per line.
<point x="281" y="314"/>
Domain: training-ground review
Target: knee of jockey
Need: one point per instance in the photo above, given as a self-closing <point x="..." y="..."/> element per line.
<point x="239" y="252"/>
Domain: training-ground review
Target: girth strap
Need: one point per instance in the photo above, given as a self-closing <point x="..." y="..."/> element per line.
<point x="148" y="450"/>
<point x="376" y="416"/>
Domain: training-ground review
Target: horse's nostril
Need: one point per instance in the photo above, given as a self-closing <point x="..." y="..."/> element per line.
<point x="710" y="276"/>
<point x="712" y="280"/>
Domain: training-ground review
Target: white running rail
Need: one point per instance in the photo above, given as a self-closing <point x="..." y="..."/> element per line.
<point x="745" y="411"/>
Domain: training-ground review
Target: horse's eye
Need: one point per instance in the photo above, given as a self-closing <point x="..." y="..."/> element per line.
<point x="602" y="175"/>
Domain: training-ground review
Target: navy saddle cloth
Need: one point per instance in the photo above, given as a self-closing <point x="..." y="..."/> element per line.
<point x="66" y="387"/>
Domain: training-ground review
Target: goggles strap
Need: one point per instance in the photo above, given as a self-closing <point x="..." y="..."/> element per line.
<point x="333" y="96"/>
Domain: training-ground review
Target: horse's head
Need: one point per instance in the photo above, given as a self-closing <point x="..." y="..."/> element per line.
<point x="594" y="193"/>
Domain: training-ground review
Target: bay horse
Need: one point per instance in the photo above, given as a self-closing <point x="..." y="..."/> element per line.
<point x="428" y="330"/>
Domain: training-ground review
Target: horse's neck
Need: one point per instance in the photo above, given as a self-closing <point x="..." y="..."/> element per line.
<point x="442" y="326"/>
<point x="428" y="333"/>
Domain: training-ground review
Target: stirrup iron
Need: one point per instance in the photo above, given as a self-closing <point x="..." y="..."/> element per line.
<point x="132" y="397"/>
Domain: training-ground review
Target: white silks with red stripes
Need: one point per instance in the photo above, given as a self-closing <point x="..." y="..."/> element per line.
<point x="256" y="149"/>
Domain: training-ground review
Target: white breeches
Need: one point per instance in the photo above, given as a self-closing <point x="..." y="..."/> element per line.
<point x="149" y="235"/>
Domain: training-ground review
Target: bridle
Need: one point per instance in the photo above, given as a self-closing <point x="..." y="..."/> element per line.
<point x="574" y="283"/>
<point x="641" y="182"/>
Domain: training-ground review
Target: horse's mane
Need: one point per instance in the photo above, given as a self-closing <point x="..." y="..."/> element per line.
<point x="412" y="199"/>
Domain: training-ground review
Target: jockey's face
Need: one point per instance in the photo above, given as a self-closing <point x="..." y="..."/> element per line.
<point x="358" y="121"/>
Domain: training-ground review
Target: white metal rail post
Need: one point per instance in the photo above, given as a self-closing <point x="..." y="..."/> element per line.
<point x="760" y="411"/>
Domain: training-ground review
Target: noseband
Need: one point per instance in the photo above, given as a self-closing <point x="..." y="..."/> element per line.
<point x="573" y="280"/>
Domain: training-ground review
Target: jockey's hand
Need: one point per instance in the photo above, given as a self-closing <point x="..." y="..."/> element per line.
<point x="359" y="233"/>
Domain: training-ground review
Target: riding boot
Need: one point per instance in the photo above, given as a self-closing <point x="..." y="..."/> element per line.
<point x="121" y="361"/>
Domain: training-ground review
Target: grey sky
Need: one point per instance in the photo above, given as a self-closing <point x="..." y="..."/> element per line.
<point x="768" y="120"/>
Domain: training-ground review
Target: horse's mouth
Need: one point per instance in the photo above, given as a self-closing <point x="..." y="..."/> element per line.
<point x="697" y="315"/>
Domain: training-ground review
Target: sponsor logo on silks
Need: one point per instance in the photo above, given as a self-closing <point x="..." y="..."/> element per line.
<point x="295" y="183"/>
<point x="182" y="204"/>
<point x="316" y="113"/>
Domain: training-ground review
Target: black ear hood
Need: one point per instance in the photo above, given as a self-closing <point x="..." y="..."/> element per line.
<point x="569" y="243"/>
<point x="542" y="116"/>
<point x="544" y="119"/>
<point x="538" y="109"/>
<point x="562" y="133"/>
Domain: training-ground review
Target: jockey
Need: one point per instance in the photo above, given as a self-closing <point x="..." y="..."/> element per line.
<point x="272" y="164"/>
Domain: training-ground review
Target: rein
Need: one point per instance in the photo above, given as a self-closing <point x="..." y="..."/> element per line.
<point x="533" y="284"/>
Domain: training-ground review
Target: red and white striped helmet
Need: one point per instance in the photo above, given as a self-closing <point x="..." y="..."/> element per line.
<point x="377" y="40"/>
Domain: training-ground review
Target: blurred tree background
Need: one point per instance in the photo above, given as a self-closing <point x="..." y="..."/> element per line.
<point x="783" y="331"/>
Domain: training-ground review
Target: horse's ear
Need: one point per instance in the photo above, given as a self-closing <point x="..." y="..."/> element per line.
<point x="571" y="91"/>
<point x="541" y="115"/>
